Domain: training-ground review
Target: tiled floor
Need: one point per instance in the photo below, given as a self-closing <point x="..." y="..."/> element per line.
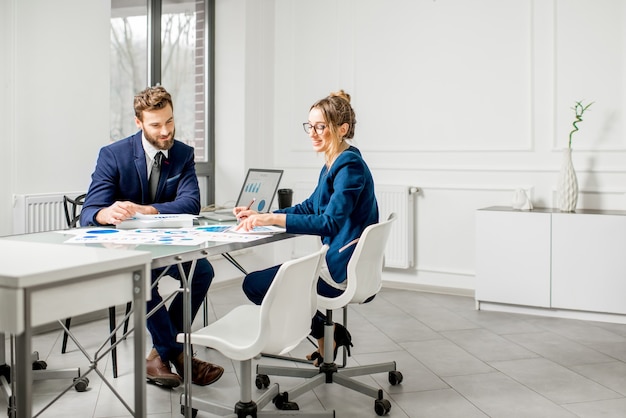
<point x="456" y="361"/>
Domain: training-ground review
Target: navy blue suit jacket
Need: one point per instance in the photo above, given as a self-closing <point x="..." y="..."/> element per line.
<point x="121" y="174"/>
<point x="342" y="205"/>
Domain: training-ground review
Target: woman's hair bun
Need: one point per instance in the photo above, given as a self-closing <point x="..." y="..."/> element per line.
<point x="341" y="94"/>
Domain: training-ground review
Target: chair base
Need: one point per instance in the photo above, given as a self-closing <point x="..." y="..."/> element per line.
<point x="245" y="408"/>
<point x="40" y="372"/>
<point x="249" y="408"/>
<point x="332" y="373"/>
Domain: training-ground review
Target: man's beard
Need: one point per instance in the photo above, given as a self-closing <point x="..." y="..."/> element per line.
<point x="158" y="143"/>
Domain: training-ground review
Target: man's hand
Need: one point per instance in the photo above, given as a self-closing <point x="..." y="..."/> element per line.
<point x="120" y="211"/>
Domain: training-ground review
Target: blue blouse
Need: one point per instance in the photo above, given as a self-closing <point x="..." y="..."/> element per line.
<point x="342" y="205"/>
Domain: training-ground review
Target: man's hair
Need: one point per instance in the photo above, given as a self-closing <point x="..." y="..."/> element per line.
<point x="152" y="98"/>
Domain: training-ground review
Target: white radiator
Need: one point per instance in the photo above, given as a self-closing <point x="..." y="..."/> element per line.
<point x="39" y="212"/>
<point x="400" y="249"/>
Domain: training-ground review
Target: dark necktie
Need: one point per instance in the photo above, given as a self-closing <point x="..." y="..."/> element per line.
<point x="155" y="174"/>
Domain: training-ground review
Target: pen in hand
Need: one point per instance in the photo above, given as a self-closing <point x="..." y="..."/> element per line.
<point x="239" y="218"/>
<point x="247" y="208"/>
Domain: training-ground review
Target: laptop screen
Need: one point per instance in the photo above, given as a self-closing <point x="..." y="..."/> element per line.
<point x="261" y="185"/>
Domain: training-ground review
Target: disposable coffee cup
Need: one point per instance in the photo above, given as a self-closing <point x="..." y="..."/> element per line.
<point x="285" y="197"/>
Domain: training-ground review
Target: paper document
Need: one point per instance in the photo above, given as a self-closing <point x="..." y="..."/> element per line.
<point x="156" y="236"/>
<point x="163" y="236"/>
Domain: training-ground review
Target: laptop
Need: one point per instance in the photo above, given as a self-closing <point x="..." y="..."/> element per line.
<point x="258" y="189"/>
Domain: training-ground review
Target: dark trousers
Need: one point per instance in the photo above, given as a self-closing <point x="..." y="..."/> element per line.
<point x="256" y="284"/>
<point x="165" y="324"/>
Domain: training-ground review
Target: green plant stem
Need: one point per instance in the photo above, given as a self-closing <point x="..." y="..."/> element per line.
<point x="579" y="109"/>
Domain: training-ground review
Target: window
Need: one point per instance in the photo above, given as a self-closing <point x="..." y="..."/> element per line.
<point x="128" y="64"/>
<point x="185" y="56"/>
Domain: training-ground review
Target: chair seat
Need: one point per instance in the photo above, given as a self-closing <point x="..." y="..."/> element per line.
<point x="236" y="335"/>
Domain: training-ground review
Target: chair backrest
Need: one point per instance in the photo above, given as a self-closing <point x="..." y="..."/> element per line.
<point x="364" y="268"/>
<point x="290" y="303"/>
<point x="366" y="264"/>
<point x="71" y="207"/>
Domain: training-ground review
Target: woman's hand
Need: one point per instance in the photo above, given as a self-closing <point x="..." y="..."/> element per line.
<point x="248" y="219"/>
<point x="242" y="212"/>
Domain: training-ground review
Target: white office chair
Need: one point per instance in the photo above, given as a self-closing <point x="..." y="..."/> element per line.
<point x="363" y="282"/>
<point x="278" y="325"/>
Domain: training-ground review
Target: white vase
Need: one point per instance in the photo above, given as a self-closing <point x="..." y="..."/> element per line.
<point x="567" y="187"/>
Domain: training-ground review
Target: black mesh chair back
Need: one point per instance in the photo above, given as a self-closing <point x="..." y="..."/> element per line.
<point x="72" y="207"/>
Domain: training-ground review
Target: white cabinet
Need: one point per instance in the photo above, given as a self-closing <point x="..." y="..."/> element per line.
<point x="548" y="259"/>
<point x="589" y="262"/>
<point x="513" y="257"/>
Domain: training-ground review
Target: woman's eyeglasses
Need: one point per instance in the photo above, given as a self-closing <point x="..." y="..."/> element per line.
<point x="319" y="128"/>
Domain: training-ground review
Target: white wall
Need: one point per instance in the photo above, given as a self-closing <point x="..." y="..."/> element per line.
<point x="6" y="120"/>
<point x="55" y="73"/>
<point x="244" y="90"/>
<point x="466" y="99"/>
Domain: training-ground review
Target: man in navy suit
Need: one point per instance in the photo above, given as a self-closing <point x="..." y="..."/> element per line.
<point x="120" y="188"/>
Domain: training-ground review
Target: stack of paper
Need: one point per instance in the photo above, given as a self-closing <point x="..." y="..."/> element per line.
<point x="158" y="221"/>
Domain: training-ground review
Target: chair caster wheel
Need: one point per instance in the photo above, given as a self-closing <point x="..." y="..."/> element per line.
<point x="395" y="377"/>
<point x="194" y="411"/>
<point x="262" y="381"/>
<point x="80" y="384"/>
<point x="40" y="365"/>
<point x="382" y="406"/>
<point x="282" y="402"/>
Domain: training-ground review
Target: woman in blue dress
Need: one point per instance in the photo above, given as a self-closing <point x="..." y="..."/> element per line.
<point x="342" y="205"/>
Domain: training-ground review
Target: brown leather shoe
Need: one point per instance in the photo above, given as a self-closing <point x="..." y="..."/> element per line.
<point x="202" y="373"/>
<point x="161" y="374"/>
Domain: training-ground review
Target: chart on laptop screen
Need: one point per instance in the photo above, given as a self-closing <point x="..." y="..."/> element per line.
<point x="260" y="185"/>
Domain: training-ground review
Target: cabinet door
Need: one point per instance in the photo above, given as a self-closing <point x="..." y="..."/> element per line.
<point x="513" y="257"/>
<point x="589" y="262"/>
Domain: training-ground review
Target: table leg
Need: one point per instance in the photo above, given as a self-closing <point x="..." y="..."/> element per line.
<point x="139" y="303"/>
<point x="187" y="331"/>
<point x="23" y="367"/>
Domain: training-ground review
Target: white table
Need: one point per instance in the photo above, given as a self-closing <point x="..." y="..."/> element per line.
<point x="41" y="283"/>
<point x="161" y="256"/>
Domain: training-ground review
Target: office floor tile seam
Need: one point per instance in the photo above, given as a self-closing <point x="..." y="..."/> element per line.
<point x="608" y="393"/>
<point x="456" y="361"/>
